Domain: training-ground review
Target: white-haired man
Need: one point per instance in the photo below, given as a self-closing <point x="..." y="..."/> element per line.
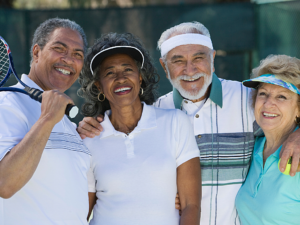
<point x="218" y="109"/>
<point x="220" y="113"/>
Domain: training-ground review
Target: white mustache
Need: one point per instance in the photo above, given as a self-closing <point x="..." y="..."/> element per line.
<point x="195" y="76"/>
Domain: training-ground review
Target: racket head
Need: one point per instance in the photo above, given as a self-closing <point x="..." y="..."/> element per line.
<point x="5" y="64"/>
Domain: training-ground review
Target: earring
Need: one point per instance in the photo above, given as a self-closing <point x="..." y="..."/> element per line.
<point x="297" y="120"/>
<point x="101" y="100"/>
<point x="142" y="91"/>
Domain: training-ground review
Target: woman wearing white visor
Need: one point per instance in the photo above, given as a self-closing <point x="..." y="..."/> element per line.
<point x="144" y="155"/>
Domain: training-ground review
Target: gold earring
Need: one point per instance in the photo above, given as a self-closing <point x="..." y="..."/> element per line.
<point x="142" y="91"/>
<point x="101" y="100"/>
<point x="297" y="120"/>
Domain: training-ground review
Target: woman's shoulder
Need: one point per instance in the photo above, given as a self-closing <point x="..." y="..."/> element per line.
<point x="168" y="112"/>
<point x="171" y="115"/>
<point x="90" y="143"/>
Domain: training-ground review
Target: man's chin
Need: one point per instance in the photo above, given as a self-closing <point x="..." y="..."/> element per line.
<point x="191" y="95"/>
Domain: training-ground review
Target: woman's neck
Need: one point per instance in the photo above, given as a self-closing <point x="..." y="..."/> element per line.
<point x="274" y="139"/>
<point x="126" y="118"/>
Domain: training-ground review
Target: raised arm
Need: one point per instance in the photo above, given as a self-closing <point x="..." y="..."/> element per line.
<point x="20" y="163"/>
<point x="189" y="189"/>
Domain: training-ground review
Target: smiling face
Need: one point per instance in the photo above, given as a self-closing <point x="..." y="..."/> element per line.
<point x="276" y="108"/>
<point x="120" y="80"/>
<point x="190" y="68"/>
<point x="58" y="64"/>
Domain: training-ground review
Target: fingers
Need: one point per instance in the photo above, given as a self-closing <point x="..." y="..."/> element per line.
<point x="285" y="155"/>
<point x="100" y="118"/>
<point x="54" y="104"/>
<point x="295" y="164"/>
<point x="177" y="202"/>
<point x="82" y="135"/>
<point x="291" y="147"/>
<point x="89" y="127"/>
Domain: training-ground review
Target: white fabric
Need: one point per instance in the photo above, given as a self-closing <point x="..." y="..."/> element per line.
<point x="185" y="39"/>
<point x="134" y="176"/>
<point x="57" y="192"/>
<point x="191" y="108"/>
<point x="218" y="201"/>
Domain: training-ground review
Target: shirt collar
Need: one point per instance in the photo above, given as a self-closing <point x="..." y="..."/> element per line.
<point x="215" y="93"/>
<point x="29" y="82"/>
<point x="147" y="121"/>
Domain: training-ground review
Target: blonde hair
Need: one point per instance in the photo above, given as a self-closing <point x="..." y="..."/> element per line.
<point x="285" y="68"/>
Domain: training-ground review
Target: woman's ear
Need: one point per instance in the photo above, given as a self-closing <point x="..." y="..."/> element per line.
<point x="141" y="79"/>
<point x="97" y="84"/>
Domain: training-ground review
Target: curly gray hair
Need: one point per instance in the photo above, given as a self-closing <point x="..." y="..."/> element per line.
<point x="89" y="91"/>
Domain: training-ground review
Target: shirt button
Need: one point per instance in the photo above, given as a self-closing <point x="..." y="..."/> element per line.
<point x="197" y="116"/>
<point x="185" y="101"/>
<point x="199" y="136"/>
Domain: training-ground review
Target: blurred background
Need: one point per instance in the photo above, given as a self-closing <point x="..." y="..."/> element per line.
<point x="243" y="31"/>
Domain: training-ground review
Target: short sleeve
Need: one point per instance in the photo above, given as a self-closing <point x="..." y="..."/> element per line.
<point x="185" y="139"/>
<point x="14" y="126"/>
<point x="91" y="180"/>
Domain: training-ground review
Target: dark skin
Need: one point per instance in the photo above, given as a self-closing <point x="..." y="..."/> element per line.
<point x="54" y="68"/>
<point x="120" y="82"/>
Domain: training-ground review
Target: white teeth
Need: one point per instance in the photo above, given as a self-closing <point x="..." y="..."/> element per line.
<point x="270" y="114"/>
<point x="191" y="79"/>
<point x="123" y="89"/>
<point x="63" y="71"/>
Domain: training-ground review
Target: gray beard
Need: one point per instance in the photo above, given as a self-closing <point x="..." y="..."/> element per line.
<point x="192" y="94"/>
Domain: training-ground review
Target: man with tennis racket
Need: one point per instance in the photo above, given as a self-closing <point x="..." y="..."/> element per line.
<point x="43" y="162"/>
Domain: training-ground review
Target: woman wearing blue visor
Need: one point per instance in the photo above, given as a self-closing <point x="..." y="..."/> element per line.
<point x="269" y="196"/>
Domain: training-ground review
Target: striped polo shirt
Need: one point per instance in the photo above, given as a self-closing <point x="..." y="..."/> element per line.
<point x="223" y="128"/>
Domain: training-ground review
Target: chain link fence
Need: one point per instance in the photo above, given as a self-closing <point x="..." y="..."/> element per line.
<point x="242" y="33"/>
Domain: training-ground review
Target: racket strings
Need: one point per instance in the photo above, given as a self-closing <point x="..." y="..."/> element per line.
<point x="4" y="62"/>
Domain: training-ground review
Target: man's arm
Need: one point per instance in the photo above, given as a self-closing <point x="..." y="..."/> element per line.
<point x="18" y="166"/>
<point x="291" y="148"/>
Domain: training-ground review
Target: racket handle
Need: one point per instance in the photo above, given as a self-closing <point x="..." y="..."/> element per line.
<point x="71" y="110"/>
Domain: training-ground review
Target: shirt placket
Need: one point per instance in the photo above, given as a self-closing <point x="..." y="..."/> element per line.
<point x="264" y="169"/>
<point x="129" y="145"/>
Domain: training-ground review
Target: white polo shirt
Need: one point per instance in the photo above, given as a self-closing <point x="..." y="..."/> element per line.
<point x="223" y="129"/>
<point x="57" y="192"/>
<point x="134" y="176"/>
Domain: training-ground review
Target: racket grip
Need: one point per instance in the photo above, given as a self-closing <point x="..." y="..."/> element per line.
<point x="71" y="110"/>
<point x="34" y="93"/>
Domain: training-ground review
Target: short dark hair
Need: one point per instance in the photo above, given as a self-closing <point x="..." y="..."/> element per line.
<point x="42" y="34"/>
<point x="87" y="80"/>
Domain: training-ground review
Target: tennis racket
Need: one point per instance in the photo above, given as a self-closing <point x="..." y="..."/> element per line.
<point x="7" y="68"/>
